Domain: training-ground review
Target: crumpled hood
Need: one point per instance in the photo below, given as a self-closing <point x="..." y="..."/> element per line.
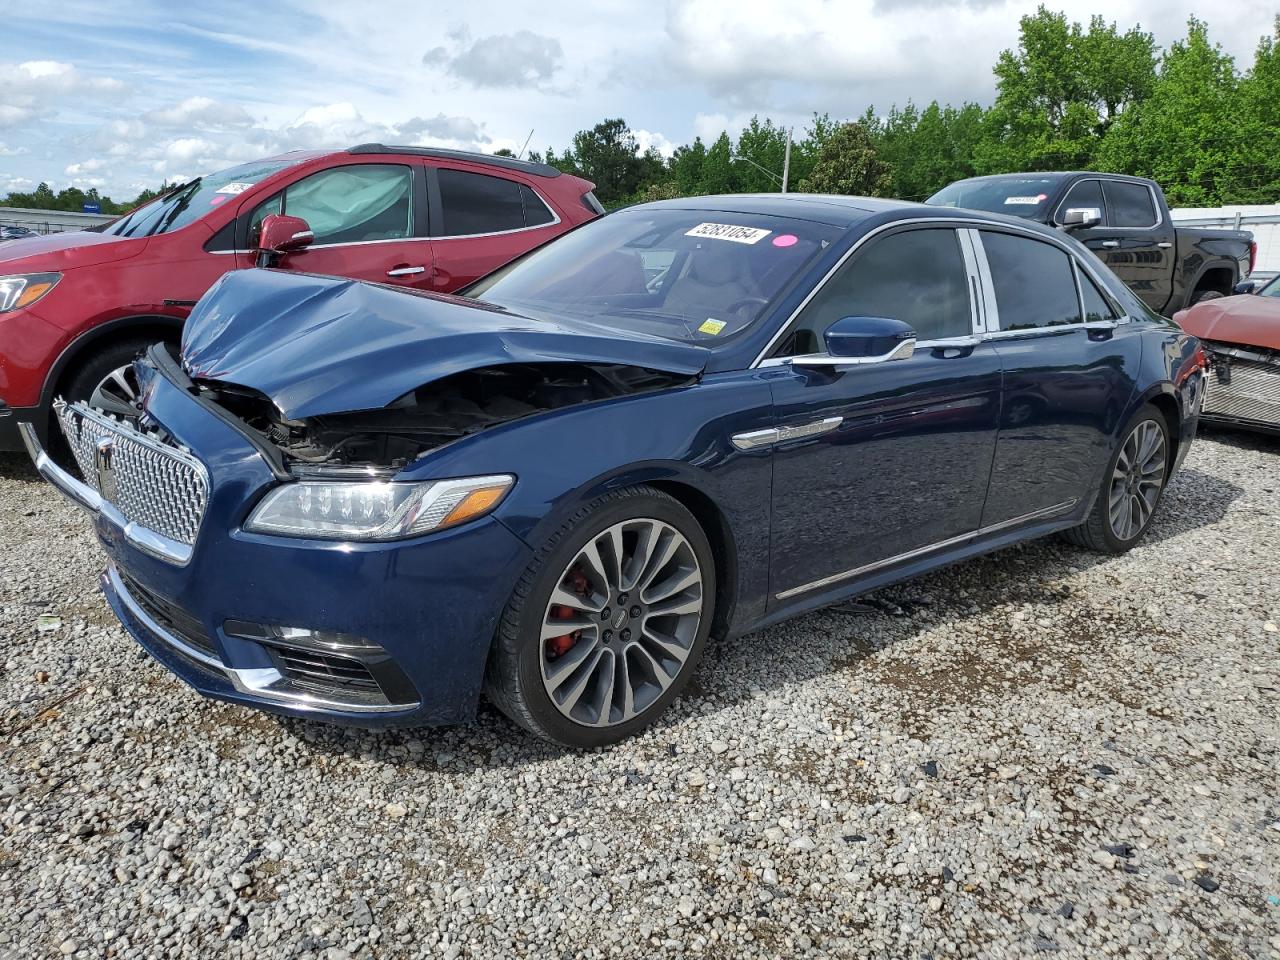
<point x="321" y="345"/>
<point x="62" y="251"/>
<point x="1247" y="320"/>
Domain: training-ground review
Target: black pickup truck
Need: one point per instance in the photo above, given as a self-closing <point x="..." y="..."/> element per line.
<point x="1125" y="221"/>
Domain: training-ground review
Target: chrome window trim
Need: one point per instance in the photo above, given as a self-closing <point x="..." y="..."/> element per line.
<point x="976" y="315"/>
<point x="1044" y="513"/>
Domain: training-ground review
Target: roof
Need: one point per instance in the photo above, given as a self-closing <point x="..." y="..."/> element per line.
<point x="507" y="163"/>
<point x="829" y="208"/>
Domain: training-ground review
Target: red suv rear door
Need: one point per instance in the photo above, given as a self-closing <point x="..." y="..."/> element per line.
<point x="481" y="218"/>
<point x="369" y="221"/>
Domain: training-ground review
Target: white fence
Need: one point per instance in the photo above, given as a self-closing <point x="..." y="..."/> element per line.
<point x="50" y="221"/>
<point x="1262" y="220"/>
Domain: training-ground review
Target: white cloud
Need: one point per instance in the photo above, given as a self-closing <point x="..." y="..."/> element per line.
<point x="199" y="113"/>
<point x="646" y="139"/>
<point x="85" y="166"/>
<point x="31" y="89"/>
<point x="501" y="60"/>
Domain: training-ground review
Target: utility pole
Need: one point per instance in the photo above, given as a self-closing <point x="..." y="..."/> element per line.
<point x="786" y="162"/>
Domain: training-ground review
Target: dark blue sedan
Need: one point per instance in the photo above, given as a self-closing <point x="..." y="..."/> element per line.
<point x="689" y="418"/>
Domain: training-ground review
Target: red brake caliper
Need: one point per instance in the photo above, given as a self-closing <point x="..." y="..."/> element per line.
<point x="559" y="646"/>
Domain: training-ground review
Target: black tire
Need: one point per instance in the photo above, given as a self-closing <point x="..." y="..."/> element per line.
<point x="100" y="363"/>
<point x="1204" y="295"/>
<point x="1096" y="533"/>
<point x="513" y="681"/>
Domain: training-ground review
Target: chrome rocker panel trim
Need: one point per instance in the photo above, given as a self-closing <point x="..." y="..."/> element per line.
<point x="1043" y="514"/>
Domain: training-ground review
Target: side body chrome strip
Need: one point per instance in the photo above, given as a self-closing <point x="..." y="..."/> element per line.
<point x="755" y="439"/>
<point x="1045" y="513"/>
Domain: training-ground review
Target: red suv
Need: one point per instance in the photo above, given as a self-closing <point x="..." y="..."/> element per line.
<point x="75" y="308"/>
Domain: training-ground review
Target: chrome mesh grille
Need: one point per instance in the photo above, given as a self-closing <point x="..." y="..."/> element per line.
<point x="1251" y="391"/>
<point x="153" y="484"/>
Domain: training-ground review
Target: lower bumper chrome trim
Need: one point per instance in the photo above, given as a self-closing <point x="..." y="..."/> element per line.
<point x="265" y="683"/>
<point x="1044" y="514"/>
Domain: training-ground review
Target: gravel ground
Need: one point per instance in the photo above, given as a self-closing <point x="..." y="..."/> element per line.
<point x="1041" y="752"/>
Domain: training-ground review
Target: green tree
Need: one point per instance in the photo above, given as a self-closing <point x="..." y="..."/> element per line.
<point x="1184" y="135"/>
<point x="609" y="157"/>
<point x="1061" y="91"/>
<point x="1254" y="173"/>
<point x="847" y="163"/>
<point x="718" y="173"/>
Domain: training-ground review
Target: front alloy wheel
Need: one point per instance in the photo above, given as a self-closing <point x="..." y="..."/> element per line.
<point x="607" y="623"/>
<point x="621" y="622"/>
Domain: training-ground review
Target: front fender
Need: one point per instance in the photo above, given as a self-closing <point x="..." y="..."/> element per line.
<point x="566" y="458"/>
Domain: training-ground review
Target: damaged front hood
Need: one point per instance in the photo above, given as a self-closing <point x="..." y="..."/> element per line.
<point x="1249" y="320"/>
<point x="323" y="345"/>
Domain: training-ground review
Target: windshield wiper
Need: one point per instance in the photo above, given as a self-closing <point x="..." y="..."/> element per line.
<point x="188" y="191"/>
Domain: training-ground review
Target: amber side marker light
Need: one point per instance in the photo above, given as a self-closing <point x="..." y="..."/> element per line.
<point x="475" y="504"/>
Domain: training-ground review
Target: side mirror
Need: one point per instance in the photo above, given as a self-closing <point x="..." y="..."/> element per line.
<point x="282" y="234"/>
<point x="1244" y="286"/>
<point x="1080" y="218"/>
<point x="853" y="340"/>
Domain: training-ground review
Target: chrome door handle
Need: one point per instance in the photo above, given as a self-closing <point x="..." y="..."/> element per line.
<point x="405" y="271"/>
<point x="1111" y="243"/>
<point x="1164" y="244"/>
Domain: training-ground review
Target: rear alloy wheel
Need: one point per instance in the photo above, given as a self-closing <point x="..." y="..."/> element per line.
<point x="1136" y="481"/>
<point x="1131" y="488"/>
<point x="608" y="622"/>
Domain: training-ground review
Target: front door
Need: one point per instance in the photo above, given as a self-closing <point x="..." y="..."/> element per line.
<point x="367" y="222"/>
<point x="875" y="462"/>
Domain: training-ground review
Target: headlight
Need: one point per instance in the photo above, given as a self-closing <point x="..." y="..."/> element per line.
<point x="23" y="290"/>
<point x="364" y="510"/>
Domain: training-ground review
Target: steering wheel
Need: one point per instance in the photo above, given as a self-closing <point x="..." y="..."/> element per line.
<point x="747" y="302"/>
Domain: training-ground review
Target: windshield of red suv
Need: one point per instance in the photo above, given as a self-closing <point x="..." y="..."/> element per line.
<point x="681" y="274"/>
<point x="189" y="202"/>
<point x="1013" y="196"/>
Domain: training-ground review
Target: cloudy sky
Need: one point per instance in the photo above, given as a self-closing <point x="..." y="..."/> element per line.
<point x="123" y="94"/>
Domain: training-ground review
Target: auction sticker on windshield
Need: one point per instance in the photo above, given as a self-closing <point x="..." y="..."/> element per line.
<point x="1030" y="201"/>
<point x="728" y="231"/>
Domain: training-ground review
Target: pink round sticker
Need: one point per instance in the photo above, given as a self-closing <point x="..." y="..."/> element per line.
<point x="785" y="240"/>
<point x="216" y="199"/>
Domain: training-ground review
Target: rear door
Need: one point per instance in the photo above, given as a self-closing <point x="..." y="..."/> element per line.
<point x="480" y="221"/>
<point x="1070" y="361"/>
<point x="1134" y="240"/>
<point x="368" y="220"/>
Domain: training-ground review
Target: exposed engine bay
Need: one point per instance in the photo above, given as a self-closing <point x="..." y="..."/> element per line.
<point x="435" y="414"/>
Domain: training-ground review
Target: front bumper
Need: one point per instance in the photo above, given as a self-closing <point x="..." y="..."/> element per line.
<point x="430" y="604"/>
<point x="1243" y="389"/>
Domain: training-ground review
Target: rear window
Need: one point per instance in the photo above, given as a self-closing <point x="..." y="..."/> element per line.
<point x="1129" y="205"/>
<point x="475" y="203"/>
<point x="1014" y="196"/>
<point x="1034" y="283"/>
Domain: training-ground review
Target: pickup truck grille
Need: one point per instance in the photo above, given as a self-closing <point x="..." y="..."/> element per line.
<point x="1243" y="389"/>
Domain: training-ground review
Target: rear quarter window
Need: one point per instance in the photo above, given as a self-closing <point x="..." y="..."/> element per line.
<point x="1034" y="283"/>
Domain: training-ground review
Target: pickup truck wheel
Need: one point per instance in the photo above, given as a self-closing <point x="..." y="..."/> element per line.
<point x="1204" y="295"/>
<point x="607" y="624"/>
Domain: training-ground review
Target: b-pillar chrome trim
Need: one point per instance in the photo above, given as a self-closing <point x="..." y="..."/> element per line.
<point x="755" y="439"/>
<point x="1043" y="514"/>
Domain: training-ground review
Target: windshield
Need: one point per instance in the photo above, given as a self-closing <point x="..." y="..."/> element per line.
<point x="1272" y="288"/>
<point x="1015" y="196"/>
<point x="680" y="274"/>
<point x="191" y="201"/>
